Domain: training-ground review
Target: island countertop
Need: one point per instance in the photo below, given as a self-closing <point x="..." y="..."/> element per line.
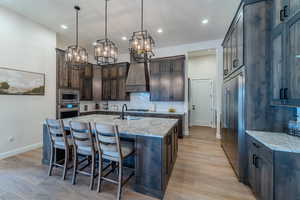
<point x="143" y="126"/>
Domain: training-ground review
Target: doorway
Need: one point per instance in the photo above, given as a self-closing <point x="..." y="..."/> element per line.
<point x="201" y="102"/>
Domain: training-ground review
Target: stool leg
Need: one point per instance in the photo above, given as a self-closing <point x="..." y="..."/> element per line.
<point x="120" y="185"/>
<point x="51" y="162"/>
<point x="75" y="167"/>
<point x="66" y="163"/>
<point x="100" y="174"/>
<point x="92" y="173"/>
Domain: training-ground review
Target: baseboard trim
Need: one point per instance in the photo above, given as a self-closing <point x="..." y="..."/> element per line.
<point x="20" y="150"/>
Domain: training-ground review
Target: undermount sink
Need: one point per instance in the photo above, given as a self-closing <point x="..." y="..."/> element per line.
<point x="129" y="118"/>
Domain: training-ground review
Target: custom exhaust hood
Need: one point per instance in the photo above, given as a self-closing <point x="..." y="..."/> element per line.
<point x="138" y="77"/>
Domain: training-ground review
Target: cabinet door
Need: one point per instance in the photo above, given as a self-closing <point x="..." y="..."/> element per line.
<point x="293" y="59"/>
<point x="154" y="81"/>
<point x="229" y="54"/>
<point x="114" y="82"/>
<point x="165" y="80"/>
<point x="122" y="74"/>
<point x="265" y="180"/>
<point x="62" y="70"/>
<point x="234" y="40"/>
<point x="97" y="83"/>
<point x="225" y="57"/>
<point x="75" y="78"/>
<point x="87" y="89"/>
<point x="278" y="11"/>
<point x="240" y="40"/>
<point x="105" y="83"/>
<point x="177" y="80"/>
<point x="252" y="154"/>
<point x="277" y="63"/>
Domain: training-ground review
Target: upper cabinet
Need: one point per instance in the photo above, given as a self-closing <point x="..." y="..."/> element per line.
<point x="233" y="45"/>
<point x="86" y="83"/>
<point x="114" y="82"/>
<point x="167" y="79"/>
<point x="286" y="53"/>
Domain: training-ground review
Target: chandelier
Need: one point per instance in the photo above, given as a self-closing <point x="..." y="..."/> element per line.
<point x="76" y="56"/>
<point x="105" y="50"/>
<point x="141" y="43"/>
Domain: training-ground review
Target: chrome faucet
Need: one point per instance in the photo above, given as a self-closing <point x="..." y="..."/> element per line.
<point x="123" y="113"/>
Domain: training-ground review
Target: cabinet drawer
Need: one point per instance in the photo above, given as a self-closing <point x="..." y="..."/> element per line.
<point x="261" y="149"/>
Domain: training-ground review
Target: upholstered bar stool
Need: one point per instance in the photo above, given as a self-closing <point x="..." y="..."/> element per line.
<point x="83" y="145"/>
<point x="58" y="140"/>
<point x="110" y="148"/>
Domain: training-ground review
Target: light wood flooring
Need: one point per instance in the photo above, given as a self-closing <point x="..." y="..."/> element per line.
<point x="202" y="172"/>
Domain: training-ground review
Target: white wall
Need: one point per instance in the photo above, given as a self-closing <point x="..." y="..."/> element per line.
<point x="205" y="67"/>
<point x="31" y="47"/>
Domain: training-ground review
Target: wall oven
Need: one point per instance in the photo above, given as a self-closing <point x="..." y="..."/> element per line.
<point x="68" y="103"/>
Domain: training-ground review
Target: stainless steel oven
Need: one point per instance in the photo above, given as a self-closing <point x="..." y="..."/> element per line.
<point x="68" y="103"/>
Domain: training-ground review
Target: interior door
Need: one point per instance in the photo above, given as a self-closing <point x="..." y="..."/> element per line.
<point x="201" y="102"/>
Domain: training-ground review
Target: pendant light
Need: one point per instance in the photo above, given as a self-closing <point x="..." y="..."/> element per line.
<point x="141" y="42"/>
<point x="105" y="50"/>
<point x="76" y="56"/>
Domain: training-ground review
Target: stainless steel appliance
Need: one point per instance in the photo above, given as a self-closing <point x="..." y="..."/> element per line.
<point x="68" y="103"/>
<point x="233" y="129"/>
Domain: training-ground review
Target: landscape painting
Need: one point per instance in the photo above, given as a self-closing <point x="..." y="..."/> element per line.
<point x="16" y="82"/>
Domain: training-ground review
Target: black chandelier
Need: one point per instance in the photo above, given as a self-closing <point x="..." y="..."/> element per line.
<point x="141" y="43"/>
<point x="76" y="56"/>
<point x="105" y="50"/>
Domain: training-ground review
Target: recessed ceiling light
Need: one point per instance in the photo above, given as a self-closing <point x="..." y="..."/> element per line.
<point x="204" y="21"/>
<point x="94" y="43"/>
<point x="64" y="26"/>
<point x="160" y="30"/>
<point x="124" y="38"/>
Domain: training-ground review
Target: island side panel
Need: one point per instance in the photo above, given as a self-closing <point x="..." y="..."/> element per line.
<point x="149" y="164"/>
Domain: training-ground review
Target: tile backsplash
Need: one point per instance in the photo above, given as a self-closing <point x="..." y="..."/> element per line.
<point x="137" y="101"/>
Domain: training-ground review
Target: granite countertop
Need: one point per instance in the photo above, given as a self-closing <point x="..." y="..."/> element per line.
<point x="148" y="112"/>
<point x="277" y="141"/>
<point x="143" y="126"/>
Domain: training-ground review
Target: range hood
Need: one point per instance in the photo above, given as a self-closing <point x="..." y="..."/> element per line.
<point x="138" y="77"/>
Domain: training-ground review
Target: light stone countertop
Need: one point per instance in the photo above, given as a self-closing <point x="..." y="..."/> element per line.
<point x="277" y="141"/>
<point x="128" y="112"/>
<point x="142" y="126"/>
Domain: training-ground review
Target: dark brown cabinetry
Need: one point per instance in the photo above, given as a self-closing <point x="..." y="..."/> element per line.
<point x="167" y="79"/>
<point x="286" y="52"/>
<point x="114" y="82"/>
<point x="233" y="45"/>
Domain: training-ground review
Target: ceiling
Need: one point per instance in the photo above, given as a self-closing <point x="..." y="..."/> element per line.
<point x="181" y="20"/>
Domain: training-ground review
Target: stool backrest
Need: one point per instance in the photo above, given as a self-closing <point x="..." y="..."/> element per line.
<point x="82" y="135"/>
<point x="108" y="140"/>
<point x="56" y="132"/>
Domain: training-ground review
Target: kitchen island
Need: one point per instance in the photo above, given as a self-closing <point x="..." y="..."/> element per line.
<point x="156" y="146"/>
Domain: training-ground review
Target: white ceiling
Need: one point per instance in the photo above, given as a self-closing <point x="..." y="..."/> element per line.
<point x="181" y="20"/>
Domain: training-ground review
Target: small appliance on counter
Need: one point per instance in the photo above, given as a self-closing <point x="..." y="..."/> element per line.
<point x="172" y="110"/>
<point x="97" y="106"/>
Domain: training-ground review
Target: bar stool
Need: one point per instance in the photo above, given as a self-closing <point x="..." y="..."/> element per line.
<point x="110" y="148"/>
<point x="58" y="140"/>
<point x="83" y="145"/>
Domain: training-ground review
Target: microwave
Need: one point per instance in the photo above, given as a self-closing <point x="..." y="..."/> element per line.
<point x="68" y="96"/>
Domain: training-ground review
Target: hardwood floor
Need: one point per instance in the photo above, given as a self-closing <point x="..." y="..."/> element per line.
<point x="201" y="172"/>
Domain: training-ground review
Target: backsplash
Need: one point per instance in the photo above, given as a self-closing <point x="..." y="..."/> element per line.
<point x="137" y="101"/>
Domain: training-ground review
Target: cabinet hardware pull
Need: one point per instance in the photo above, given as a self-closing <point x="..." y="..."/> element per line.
<point x="282" y="15"/>
<point x="256" y="161"/>
<point x="285" y="93"/>
<point x="285" y="11"/>
<point x="254" y="144"/>
<point x="253" y="159"/>
<point x="281" y="93"/>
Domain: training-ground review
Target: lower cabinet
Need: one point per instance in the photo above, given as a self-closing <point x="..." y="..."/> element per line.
<point x="273" y="175"/>
<point x="260" y="169"/>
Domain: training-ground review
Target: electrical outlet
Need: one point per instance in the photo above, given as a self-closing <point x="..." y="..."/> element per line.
<point x="11" y="139"/>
